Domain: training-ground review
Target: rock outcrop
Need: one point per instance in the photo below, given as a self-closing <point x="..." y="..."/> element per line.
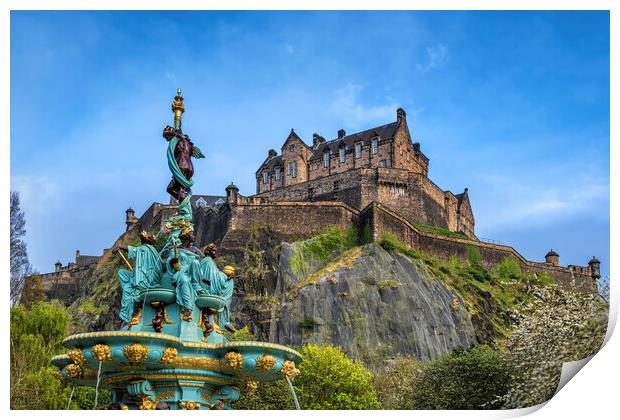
<point x="370" y="301"/>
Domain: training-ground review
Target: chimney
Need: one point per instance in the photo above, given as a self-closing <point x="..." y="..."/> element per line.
<point x="272" y="153"/>
<point x="317" y="139"/>
<point x="77" y="255"/>
<point x="401" y="116"/>
<point x="595" y="268"/>
<point x="341" y="133"/>
<point x="552" y="258"/>
<point x="57" y="267"/>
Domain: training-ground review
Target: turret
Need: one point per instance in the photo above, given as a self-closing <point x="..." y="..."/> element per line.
<point x="552" y="258"/>
<point x="341" y="133"/>
<point x="595" y="268"/>
<point x="57" y="267"/>
<point x="232" y="193"/>
<point x="130" y="218"/>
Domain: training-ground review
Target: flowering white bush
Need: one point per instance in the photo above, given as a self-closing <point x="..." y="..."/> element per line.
<point x="555" y="326"/>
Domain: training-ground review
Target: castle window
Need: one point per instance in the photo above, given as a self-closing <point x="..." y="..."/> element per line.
<point x="288" y="169"/>
<point x="336" y="186"/>
<point x="310" y="193"/>
<point x="265" y="177"/>
<point x="278" y="174"/>
<point x="358" y="151"/>
<point x="326" y="158"/>
<point x="219" y="201"/>
<point x="382" y="162"/>
<point x="201" y="202"/>
<point x="343" y="154"/>
<point x="294" y="169"/>
<point x="375" y="145"/>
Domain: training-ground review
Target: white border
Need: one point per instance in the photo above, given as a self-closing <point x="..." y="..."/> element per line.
<point x="592" y="395"/>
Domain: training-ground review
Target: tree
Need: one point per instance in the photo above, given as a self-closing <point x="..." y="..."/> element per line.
<point x="462" y="380"/>
<point x="20" y="266"/>
<point x="329" y="380"/>
<point x="36" y="335"/>
<point x="557" y="326"/>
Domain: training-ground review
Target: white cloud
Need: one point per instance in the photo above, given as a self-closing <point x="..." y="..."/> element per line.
<point x="38" y="194"/>
<point x="512" y="202"/>
<point x="436" y="56"/>
<point x="354" y="114"/>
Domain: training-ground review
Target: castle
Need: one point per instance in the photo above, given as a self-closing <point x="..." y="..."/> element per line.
<point x="375" y="180"/>
<point x="381" y="164"/>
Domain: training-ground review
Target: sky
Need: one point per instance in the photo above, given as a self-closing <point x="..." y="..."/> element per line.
<point x="512" y="105"/>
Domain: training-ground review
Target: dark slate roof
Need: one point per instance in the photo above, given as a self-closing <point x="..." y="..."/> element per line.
<point x="384" y="132"/>
<point x="271" y="163"/>
<point x="210" y="200"/>
<point x="552" y="253"/>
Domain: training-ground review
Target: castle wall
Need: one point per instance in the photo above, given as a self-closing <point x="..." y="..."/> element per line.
<point x="383" y="220"/>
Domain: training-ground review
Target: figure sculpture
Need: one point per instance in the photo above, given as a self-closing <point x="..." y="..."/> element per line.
<point x="145" y="275"/>
<point x="184" y="265"/>
<point x="218" y="282"/>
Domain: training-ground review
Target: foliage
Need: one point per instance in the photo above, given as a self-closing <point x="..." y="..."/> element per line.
<point x="36" y="336"/>
<point x="242" y="334"/>
<point x="322" y="247"/>
<point x="328" y="381"/>
<point x="490" y="296"/>
<point x="509" y="268"/>
<point x="394" y="381"/>
<point x="20" y="265"/>
<point x="307" y="324"/>
<point x="32" y="291"/>
<point x="556" y="326"/>
<point x="439" y="231"/>
<point x="463" y="380"/>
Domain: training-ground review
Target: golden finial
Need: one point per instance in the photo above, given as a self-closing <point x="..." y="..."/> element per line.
<point x="178" y="107"/>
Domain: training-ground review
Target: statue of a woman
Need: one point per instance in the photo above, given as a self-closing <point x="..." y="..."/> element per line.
<point x="218" y="282"/>
<point x="180" y="153"/>
<point x="145" y="275"/>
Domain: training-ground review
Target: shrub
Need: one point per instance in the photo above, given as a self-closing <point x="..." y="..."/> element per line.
<point x="328" y="381"/>
<point x="509" y="268"/>
<point x="322" y="247"/>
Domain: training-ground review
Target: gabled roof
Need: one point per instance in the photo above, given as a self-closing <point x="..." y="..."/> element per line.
<point x="209" y="200"/>
<point x="293" y="136"/>
<point x="270" y="163"/>
<point x="384" y="132"/>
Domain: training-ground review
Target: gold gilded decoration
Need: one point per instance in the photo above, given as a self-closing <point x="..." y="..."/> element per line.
<point x="102" y="352"/>
<point x="189" y="405"/>
<point x="187" y="314"/>
<point x="250" y="387"/>
<point x="234" y="360"/>
<point x="165" y="395"/>
<point x="177" y="224"/>
<point x="58" y="375"/>
<point x="77" y="356"/>
<point x="136" y="352"/>
<point x="265" y="362"/>
<point x="74" y="371"/>
<point x="197" y="363"/>
<point x="178" y="107"/>
<point x="136" y="317"/>
<point x="205" y="396"/>
<point x="229" y="270"/>
<point x="170" y="355"/>
<point x="145" y="403"/>
<point x="289" y="369"/>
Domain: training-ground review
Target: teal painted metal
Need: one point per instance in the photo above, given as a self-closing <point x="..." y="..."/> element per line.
<point x="173" y="355"/>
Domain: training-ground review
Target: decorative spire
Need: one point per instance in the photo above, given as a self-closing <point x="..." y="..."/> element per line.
<point x="178" y="107"/>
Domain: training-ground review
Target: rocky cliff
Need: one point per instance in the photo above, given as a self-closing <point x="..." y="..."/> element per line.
<point x="370" y="301"/>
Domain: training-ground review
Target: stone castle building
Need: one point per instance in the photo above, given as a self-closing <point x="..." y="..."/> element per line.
<point x="375" y="180"/>
<point x="381" y="164"/>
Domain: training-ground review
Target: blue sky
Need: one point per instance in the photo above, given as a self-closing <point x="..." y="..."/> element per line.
<point x="513" y="105"/>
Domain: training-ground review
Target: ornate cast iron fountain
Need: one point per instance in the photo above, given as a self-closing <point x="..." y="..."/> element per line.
<point x="175" y="302"/>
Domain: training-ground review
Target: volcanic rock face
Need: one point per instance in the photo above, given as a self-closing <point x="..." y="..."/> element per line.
<point x="370" y="301"/>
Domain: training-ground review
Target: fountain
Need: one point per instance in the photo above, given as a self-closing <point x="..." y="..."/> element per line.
<point x="175" y="302"/>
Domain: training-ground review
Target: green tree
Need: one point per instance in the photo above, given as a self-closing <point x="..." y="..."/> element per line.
<point x="35" y="336"/>
<point x="329" y="380"/>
